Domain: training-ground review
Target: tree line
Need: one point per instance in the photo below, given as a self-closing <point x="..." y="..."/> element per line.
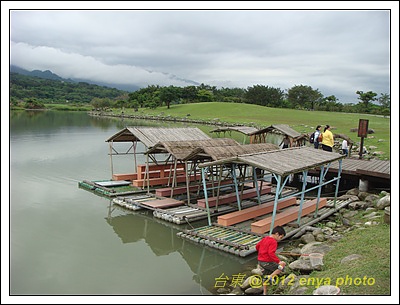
<point x="35" y="92"/>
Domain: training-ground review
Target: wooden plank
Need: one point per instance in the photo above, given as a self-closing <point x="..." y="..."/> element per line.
<point x="249" y="213"/>
<point x="163" y="203"/>
<point x="286" y="216"/>
<point x="141" y="168"/>
<point x="117" y="177"/>
<point x="231" y="197"/>
<point x="160" y="174"/>
<point x="161" y="181"/>
<point x="363" y="172"/>
<point x="164" y="192"/>
<point x="356" y="167"/>
<point x="112" y="183"/>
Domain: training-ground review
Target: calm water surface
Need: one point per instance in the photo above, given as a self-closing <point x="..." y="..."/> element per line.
<point x="67" y="241"/>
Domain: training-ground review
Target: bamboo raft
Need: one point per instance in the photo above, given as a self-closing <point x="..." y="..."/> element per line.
<point x="133" y="202"/>
<point x="110" y="188"/>
<point x="240" y="241"/>
<point x="191" y="212"/>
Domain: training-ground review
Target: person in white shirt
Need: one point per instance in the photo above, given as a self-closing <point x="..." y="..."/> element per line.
<point x="345" y="147"/>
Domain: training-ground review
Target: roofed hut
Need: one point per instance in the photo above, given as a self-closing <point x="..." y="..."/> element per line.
<point x="149" y="137"/>
<point x="246" y="130"/>
<point x="296" y="138"/>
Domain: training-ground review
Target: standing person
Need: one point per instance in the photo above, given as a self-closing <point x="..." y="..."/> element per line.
<point x="316" y="135"/>
<point x="269" y="263"/>
<point x="345" y="147"/>
<point x="327" y="139"/>
<point x="286" y="142"/>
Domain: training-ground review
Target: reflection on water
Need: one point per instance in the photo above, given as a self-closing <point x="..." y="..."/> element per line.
<point x="207" y="264"/>
<point x="67" y="241"/>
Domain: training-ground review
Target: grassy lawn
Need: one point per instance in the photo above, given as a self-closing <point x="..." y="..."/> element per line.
<point x="369" y="275"/>
<point x="300" y="120"/>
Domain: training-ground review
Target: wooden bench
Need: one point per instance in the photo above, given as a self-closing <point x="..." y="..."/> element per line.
<point x="163" y="169"/>
<point x="117" y="177"/>
<point x="249" y="213"/>
<point x="166" y="191"/>
<point x="286" y="216"/>
<point x="134" y="176"/>
<point x="161" y="181"/>
<point x="231" y="197"/>
<point x="155" y="171"/>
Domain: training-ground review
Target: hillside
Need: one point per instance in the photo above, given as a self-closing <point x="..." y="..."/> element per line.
<point x="57" y="90"/>
<point x="259" y="116"/>
<point x="50" y="75"/>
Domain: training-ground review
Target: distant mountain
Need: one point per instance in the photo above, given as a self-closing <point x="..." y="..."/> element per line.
<point x="50" y="75"/>
<point x="124" y="87"/>
<point x="37" y="73"/>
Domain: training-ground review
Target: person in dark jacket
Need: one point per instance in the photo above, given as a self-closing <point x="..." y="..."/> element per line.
<point x="316" y="135"/>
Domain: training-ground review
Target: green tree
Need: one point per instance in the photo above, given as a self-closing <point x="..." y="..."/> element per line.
<point x="329" y="103"/>
<point x="384" y="100"/>
<point x="189" y="94"/>
<point x="304" y="97"/>
<point x="33" y="103"/>
<point x="169" y="95"/>
<point x="264" y="96"/>
<point x="230" y="95"/>
<point x="100" y="103"/>
<point x="366" y="98"/>
<point x="204" y="95"/>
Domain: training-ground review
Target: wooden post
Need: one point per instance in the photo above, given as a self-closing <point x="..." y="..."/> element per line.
<point x="362" y="132"/>
<point x="278" y="186"/>
<point x="134" y="156"/>
<point x="111" y="161"/>
<point x="305" y="173"/>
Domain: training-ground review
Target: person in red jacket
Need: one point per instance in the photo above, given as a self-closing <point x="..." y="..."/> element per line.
<point x="269" y="263"/>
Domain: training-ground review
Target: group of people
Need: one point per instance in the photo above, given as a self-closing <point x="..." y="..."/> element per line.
<point x="326" y="140"/>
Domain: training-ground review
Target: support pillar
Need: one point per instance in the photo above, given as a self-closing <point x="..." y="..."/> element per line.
<point x="363" y="185"/>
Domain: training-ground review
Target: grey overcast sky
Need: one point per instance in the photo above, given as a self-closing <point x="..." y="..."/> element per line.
<point x="336" y="51"/>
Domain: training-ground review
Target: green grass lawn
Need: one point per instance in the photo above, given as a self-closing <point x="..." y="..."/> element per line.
<point x="300" y="120"/>
<point x="368" y="275"/>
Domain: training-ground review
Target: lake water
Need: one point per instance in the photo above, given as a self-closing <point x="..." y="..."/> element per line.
<point x="68" y="241"/>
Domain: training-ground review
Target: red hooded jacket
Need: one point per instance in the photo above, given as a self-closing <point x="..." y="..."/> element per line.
<point x="266" y="248"/>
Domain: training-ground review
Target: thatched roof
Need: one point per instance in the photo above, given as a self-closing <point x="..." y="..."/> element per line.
<point x="254" y="132"/>
<point x="222" y="152"/>
<point x="285" y="161"/>
<point x="243" y="129"/>
<point x="150" y="136"/>
<point x="180" y="149"/>
<point x="280" y="128"/>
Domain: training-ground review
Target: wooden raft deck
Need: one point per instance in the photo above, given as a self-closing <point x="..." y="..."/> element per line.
<point x="241" y="241"/>
<point x="190" y="212"/>
<point x="133" y="202"/>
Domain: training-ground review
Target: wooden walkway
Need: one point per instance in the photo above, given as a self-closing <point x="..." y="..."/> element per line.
<point x="240" y="241"/>
<point x="366" y="168"/>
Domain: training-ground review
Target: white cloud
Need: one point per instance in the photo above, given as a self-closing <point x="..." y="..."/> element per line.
<point x="338" y="52"/>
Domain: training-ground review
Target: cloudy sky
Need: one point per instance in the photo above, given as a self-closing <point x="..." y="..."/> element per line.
<point x="335" y="51"/>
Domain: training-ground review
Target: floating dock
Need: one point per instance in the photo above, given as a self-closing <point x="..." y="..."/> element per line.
<point x="191" y="212"/>
<point x="241" y="241"/>
<point x="110" y="188"/>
